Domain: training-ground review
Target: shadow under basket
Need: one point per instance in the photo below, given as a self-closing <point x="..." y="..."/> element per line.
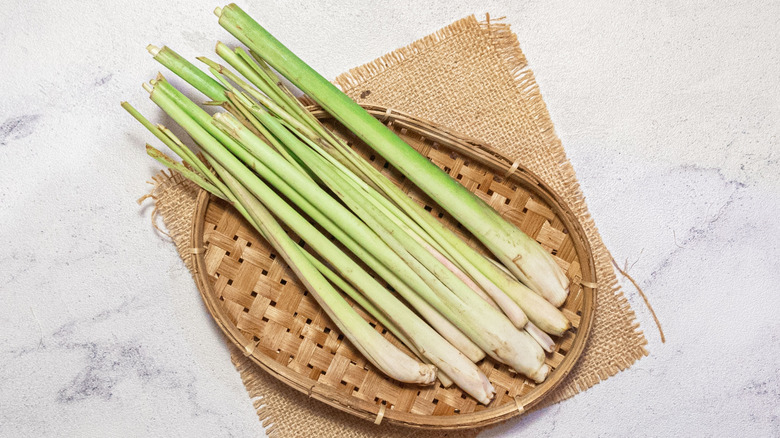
<point x="262" y="307"/>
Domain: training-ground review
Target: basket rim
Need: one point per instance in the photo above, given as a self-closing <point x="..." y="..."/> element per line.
<point x="493" y="159"/>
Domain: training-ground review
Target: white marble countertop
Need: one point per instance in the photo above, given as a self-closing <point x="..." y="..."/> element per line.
<point x="670" y="114"/>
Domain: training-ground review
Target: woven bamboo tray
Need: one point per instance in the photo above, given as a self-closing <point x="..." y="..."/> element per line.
<point x="262" y="308"/>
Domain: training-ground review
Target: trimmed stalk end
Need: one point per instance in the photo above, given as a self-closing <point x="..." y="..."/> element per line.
<point x="558" y="299"/>
<point x="154" y="50"/>
<point x="427" y="374"/>
<point x="541" y="373"/>
<point x="542" y="338"/>
<point x="490" y="391"/>
<point x="147" y="87"/>
<point x="218" y="11"/>
<point x="221" y="48"/>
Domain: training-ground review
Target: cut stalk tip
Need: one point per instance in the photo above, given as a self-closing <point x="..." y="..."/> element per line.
<point x="154" y="50"/>
<point x="541" y="374"/>
<point x="147" y="87"/>
<point x="218" y="11"/>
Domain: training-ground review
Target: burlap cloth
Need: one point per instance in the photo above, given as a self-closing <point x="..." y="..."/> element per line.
<point x="470" y="76"/>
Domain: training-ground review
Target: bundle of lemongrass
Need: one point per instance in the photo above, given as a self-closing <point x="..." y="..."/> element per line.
<point x="266" y="151"/>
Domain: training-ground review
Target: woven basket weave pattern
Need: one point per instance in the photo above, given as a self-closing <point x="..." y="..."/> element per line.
<point x="281" y="322"/>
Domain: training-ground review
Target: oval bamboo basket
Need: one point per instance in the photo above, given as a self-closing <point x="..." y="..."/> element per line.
<point x="263" y="309"/>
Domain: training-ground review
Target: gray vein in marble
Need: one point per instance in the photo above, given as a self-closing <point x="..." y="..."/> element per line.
<point x="702" y="231"/>
<point x="111" y="362"/>
<point x="107" y="365"/>
<point x="104" y="79"/>
<point x="15" y="128"/>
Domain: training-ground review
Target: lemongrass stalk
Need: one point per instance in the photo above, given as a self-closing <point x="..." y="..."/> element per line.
<point x="456" y="366"/>
<point x="375" y="347"/>
<point x="187" y="71"/>
<point x="489" y="329"/>
<point x="521" y="254"/>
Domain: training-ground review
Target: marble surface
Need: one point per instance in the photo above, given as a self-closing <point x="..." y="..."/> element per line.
<point x="669" y="112"/>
